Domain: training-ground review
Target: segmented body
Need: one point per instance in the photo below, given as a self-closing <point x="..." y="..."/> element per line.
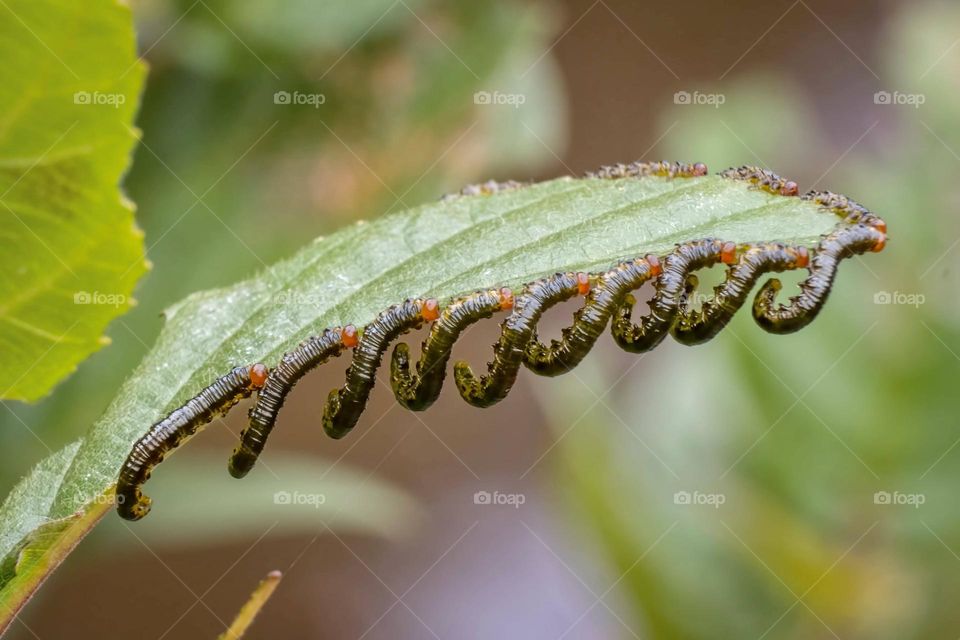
<point x="177" y="428"/>
<point x="311" y="353"/>
<point x="608" y="301"/>
<point x="417" y="391"/>
<point x="747" y="265"/>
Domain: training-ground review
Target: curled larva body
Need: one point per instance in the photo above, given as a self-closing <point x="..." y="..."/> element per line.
<point x="178" y="427"/>
<point x="417" y="391"/>
<point x="311" y="353"/>
<point x="608" y="302"/>
<point x="516" y="332"/>
<point x="604" y="298"/>
<point x="747" y="265"/>
<point x="669" y="296"/>
<point x="843" y="243"/>
<point x="345" y="405"/>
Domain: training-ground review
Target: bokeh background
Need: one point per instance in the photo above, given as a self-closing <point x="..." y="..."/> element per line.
<point x="820" y="467"/>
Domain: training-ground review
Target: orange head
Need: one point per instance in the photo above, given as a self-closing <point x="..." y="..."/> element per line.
<point x="430" y="310"/>
<point x="654" y="262"/>
<point x="258" y="375"/>
<point x="583" y="283"/>
<point x="506" y="299"/>
<point x="880" y="244"/>
<point x="803" y="257"/>
<point x="790" y="188"/>
<point x="349" y="337"/>
<point x="728" y="253"/>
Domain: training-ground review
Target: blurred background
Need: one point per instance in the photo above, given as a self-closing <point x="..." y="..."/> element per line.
<point x="790" y="487"/>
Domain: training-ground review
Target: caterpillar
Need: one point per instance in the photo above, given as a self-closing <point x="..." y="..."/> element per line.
<point x="608" y="301"/>
<point x="311" y="353"/>
<point x="178" y="427"/>
<point x="487" y="188"/>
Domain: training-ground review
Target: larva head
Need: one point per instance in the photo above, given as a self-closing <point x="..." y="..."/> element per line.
<point x="880" y="243"/>
<point x="790" y="188"/>
<point x="430" y="310"/>
<point x="506" y="298"/>
<point x="258" y="375"/>
<point x="654" y="262"/>
<point x="880" y="225"/>
<point x="803" y="257"/>
<point x="583" y="283"/>
<point x="728" y="253"/>
<point x="349" y="336"/>
<point x="699" y="169"/>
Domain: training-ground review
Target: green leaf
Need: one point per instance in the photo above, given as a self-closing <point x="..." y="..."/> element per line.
<point x="442" y="249"/>
<point x="69" y="86"/>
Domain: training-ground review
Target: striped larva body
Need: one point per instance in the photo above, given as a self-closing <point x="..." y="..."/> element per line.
<point x="311" y="353"/>
<point x="605" y="297"/>
<point x="670" y="296"/>
<point x="417" y="391"/>
<point x="802" y="309"/>
<point x="516" y="333"/>
<point x="178" y="427"/>
<point x="346" y="404"/>
<point x="747" y="264"/>
<point x="607" y="302"/>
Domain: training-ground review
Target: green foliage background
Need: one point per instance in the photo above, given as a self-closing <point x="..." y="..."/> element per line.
<point x="799" y="445"/>
<point x="799" y="549"/>
<point x="71" y="250"/>
<point x="201" y="173"/>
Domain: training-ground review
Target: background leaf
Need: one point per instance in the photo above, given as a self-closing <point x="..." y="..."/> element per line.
<point x="440" y="249"/>
<point x="296" y="494"/>
<point x="69" y="88"/>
